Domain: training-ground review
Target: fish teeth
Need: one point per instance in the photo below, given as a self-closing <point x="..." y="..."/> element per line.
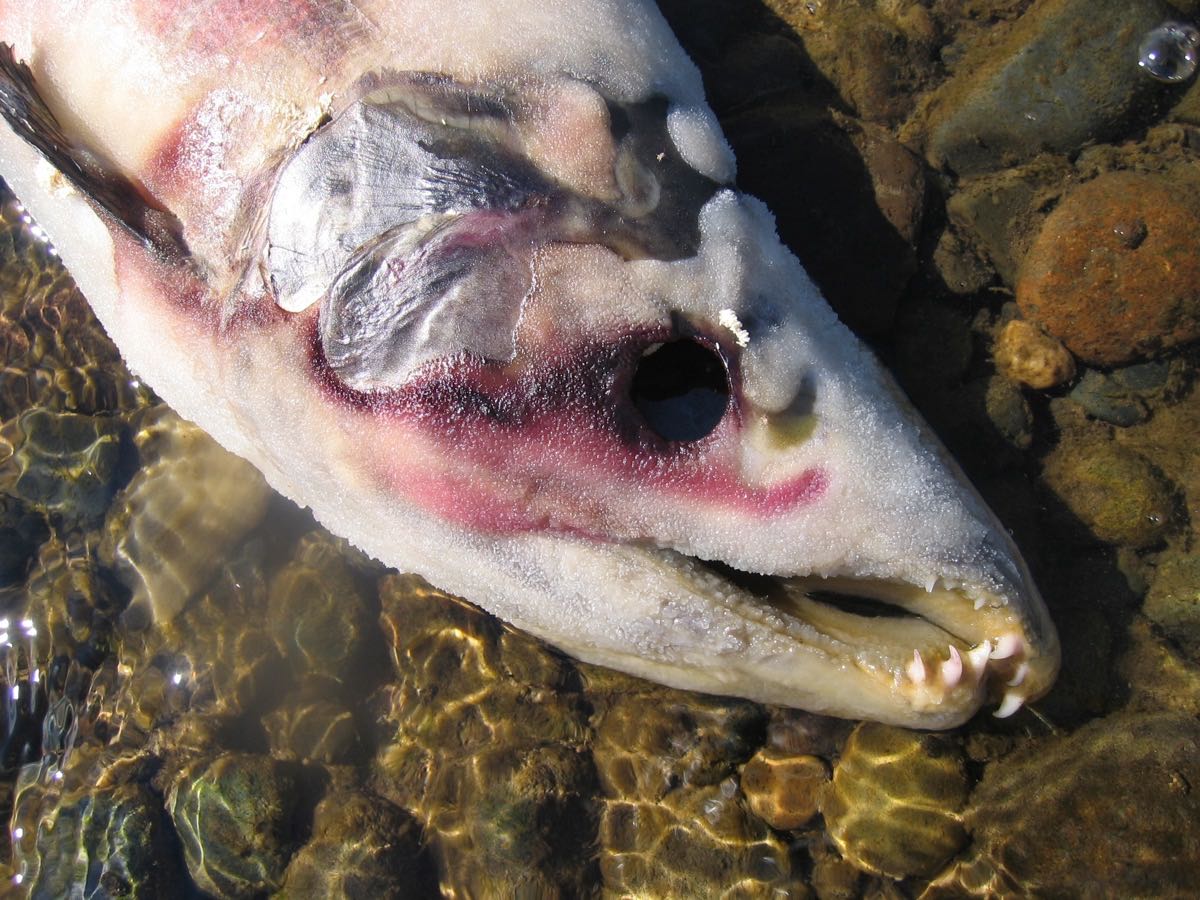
<point x="1010" y="704"/>
<point x="1019" y="675"/>
<point x="978" y="656"/>
<point x="1006" y="646"/>
<point x="952" y="668"/>
<point x="916" y="668"/>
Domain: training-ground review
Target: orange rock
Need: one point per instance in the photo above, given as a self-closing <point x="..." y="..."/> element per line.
<point x="1031" y="357"/>
<point x="784" y="791"/>
<point x="1115" y="272"/>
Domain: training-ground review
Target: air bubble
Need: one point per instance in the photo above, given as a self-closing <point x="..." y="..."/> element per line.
<point x="1168" y="53"/>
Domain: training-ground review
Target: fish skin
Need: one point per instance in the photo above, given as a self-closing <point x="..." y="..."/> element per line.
<point x="530" y="485"/>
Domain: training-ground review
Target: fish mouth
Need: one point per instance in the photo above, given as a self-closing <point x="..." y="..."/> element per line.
<point x="926" y="656"/>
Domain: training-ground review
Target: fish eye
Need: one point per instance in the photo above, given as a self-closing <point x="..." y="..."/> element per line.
<point x="681" y="388"/>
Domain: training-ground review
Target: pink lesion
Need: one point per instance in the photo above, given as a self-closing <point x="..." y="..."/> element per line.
<point x="554" y="446"/>
<point x="238" y="28"/>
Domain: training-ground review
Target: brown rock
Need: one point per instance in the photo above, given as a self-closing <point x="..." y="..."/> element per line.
<point x="1031" y="357"/>
<point x="1115" y="271"/>
<point x="782" y="790"/>
<point x="893" y="808"/>
<point x="1109" y="811"/>
<point x="1116" y="493"/>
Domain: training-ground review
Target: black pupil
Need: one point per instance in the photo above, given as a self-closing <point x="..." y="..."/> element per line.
<point x="681" y="389"/>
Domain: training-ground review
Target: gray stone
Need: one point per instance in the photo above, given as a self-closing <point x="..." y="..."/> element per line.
<point x="1064" y="75"/>
<point x="1000" y="212"/>
<point x="1103" y="397"/>
<point x="1124" y="396"/>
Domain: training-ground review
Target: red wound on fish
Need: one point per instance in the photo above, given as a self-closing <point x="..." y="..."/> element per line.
<point x="542" y="445"/>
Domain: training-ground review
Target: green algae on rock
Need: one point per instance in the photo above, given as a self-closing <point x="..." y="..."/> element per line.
<point x="894" y="805"/>
<point x="364" y="847"/>
<point x="237" y="817"/>
<point x="1109" y="811"/>
<point x="1114" y="491"/>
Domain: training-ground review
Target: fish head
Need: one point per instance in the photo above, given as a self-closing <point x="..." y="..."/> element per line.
<point x="605" y="368"/>
<point x="525" y="337"/>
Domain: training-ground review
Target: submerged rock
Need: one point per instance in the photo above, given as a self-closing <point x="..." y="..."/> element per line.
<point x="1173" y="602"/>
<point x="486" y="747"/>
<point x="1115" y="492"/>
<point x="1031" y="357"/>
<point x="1000" y="213"/>
<point x="876" y="56"/>
<point x="673" y="822"/>
<point x="21" y="531"/>
<point x="113" y="840"/>
<point x="312" y="728"/>
<point x="363" y="847"/>
<point x="1109" y="811"/>
<point x="1104" y="398"/>
<point x="1065" y="74"/>
<point x="63" y="463"/>
<point x="320" y="610"/>
<point x="1115" y="271"/>
<point x="181" y="515"/>
<point x="1125" y="397"/>
<point x="895" y="800"/>
<point x="237" y="817"/>
<point x="784" y="791"/>
<point x="53" y="353"/>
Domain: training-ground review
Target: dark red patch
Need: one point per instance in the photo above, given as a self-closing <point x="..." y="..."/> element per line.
<point x="185" y="290"/>
<point x="532" y="437"/>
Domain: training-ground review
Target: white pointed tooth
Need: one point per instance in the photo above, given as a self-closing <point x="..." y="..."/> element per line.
<point x="916" y="668"/>
<point x="1006" y="646"/>
<point x="978" y="656"/>
<point x="1019" y="675"/>
<point x="979" y="603"/>
<point x="952" y="668"/>
<point x="1009" y="705"/>
<point x="930" y="584"/>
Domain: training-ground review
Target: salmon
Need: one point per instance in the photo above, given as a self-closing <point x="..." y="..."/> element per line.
<point x="475" y="283"/>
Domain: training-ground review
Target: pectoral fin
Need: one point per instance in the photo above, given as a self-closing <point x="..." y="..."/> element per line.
<point x="122" y="199"/>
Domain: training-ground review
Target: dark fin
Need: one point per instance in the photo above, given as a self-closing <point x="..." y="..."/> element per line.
<point x="122" y="198"/>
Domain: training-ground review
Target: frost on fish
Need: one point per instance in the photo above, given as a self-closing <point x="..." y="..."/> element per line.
<point x="482" y="293"/>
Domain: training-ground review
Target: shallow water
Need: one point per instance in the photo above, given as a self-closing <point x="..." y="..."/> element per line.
<point x="208" y="694"/>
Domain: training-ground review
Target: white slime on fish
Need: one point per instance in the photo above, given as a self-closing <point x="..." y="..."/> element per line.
<point x="416" y="262"/>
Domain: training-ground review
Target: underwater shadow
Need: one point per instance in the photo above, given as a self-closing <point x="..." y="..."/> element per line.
<point x="801" y="151"/>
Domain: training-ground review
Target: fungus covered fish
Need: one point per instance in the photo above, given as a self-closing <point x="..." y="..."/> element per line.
<point x="474" y="282"/>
